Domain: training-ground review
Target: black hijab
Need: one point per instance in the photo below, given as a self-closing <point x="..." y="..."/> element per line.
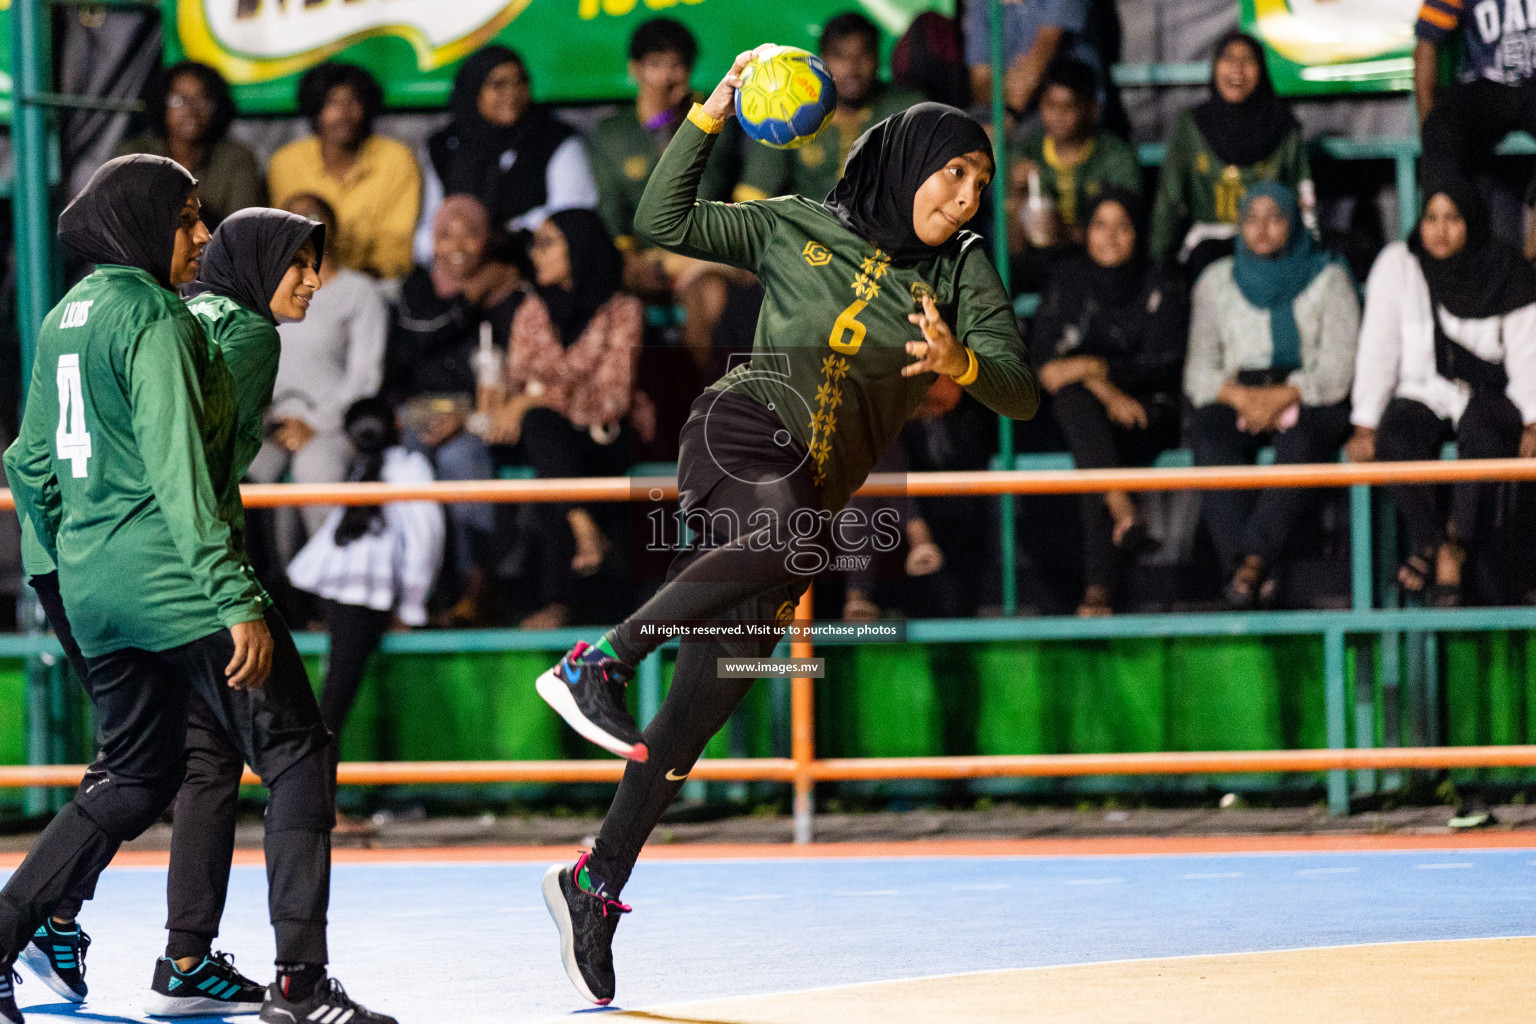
<point x="597" y="271"/>
<point x="250" y="253"/>
<point x="1114" y="286"/>
<point x="889" y="163"/>
<point x="1247" y="132"/>
<point x="471" y="155"/>
<point x="128" y="214"/>
<point x="1487" y="277"/>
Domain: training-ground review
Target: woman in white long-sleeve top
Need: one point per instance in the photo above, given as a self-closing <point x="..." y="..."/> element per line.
<point x="1271" y="352"/>
<point x="1447" y="351"/>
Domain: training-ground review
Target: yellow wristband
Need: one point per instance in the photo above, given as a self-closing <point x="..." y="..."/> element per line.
<point x="972" y="369"/>
<point x="708" y="125"/>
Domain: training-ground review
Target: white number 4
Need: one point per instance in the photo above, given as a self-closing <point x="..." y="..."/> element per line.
<point x="72" y="440"/>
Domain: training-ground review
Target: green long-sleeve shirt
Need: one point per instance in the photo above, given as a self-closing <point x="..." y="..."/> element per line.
<point x="129" y="421"/>
<point x="831" y="337"/>
<point x="1197" y="187"/>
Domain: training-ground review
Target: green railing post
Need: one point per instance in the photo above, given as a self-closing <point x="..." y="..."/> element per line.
<point x="36" y="292"/>
<point x="1362" y="587"/>
<point x="1007" y="503"/>
<point x="1338" y="739"/>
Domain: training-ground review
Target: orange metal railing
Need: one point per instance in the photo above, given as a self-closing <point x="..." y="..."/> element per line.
<point x="802" y="769"/>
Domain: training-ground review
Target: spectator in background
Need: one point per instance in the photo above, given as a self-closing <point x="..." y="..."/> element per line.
<point x="1447" y="351"/>
<point x="331" y="359"/>
<point x="1495" y="94"/>
<point x="625" y="147"/>
<point x="510" y="153"/>
<point x="570" y="379"/>
<point x="1271" y="356"/>
<point x="1219" y="150"/>
<point x="930" y="59"/>
<point x="1109" y="342"/>
<point x="1067" y="161"/>
<point x="431" y="374"/>
<point x="372" y="182"/>
<point x="1035" y="33"/>
<point x="850" y="45"/>
<point x="189" y="111"/>
<point x="369" y="564"/>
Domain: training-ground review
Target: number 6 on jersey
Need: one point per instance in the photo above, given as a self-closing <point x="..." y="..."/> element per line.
<point x="71" y="440"/>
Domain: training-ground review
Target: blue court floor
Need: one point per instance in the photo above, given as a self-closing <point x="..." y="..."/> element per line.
<point x="470" y="943"/>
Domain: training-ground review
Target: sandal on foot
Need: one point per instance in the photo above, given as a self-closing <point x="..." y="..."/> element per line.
<point x="1137" y="541"/>
<point x="1416" y="571"/>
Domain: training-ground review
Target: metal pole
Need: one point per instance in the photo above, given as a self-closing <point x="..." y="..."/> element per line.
<point x="1333" y="682"/>
<point x="1007" y="507"/>
<point x="31" y="75"/>
<point x="802" y="710"/>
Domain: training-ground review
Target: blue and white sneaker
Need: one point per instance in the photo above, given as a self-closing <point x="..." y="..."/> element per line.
<point x="586" y="688"/>
<point x="9" y="1011"/>
<point x="56" y="957"/>
<point x="212" y="988"/>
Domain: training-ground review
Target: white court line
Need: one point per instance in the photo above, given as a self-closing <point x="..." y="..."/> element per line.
<point x="1327" y="871"/>
<point x="1211" y="874"/>
<point x="1442" y="867"/>
<point x="980" y="888"/>
<point x="756" y="896"/>
<point x="871" y="892"/>
<point x="1094" y="881"/>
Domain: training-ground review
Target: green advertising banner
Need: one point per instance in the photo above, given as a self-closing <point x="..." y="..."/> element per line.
<point x="575" y="48"/>
<point x="1318" y="47"/>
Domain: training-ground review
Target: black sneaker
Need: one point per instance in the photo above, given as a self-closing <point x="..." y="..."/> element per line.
<point x="586" y="920"/>
<point x="586" y="689"/>
<point x="9" y="1011"/>
<point x="213" y="987"/>
<point x="328" y="1004"/>
<point x="56" y="958"/>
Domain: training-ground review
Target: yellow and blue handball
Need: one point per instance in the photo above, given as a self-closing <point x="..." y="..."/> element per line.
<point x="786" y="97"/>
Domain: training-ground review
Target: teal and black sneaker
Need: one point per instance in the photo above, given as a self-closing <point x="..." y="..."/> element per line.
<point x="56" y="957"/>
<point x="9" y="1011"/>
<point x="212" y="988"/>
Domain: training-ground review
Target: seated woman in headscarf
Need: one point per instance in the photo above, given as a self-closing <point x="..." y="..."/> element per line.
<point x="1108" y="344"/>
<point x="570" y="378"/>
<point x="1447" y="351"/>
<point x="510" y="153"/>
<point x="430" y="373"/>
<point x="189" y="110"/>
<point x="1271" y="355"/>
<point x="1219" y="150"/>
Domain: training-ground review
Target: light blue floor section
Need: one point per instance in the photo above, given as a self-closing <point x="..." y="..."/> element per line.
<point x="466" y="944"/>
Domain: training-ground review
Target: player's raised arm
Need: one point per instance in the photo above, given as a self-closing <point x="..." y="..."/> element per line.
<point x="670" y="213"/>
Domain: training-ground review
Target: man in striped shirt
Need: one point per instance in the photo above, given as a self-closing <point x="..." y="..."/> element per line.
<point x="1493" y="94"/>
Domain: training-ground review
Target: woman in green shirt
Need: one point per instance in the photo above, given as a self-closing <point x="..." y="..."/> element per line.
<point x="1220" y="149"/>
<point x="775" y="448"/>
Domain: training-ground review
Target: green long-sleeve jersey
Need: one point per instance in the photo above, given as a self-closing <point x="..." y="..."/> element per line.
<point x="130" y="420"/>
<point x="250" y="347"/>
<point x="831" y="337"/>
<point x="1198" y="187"/>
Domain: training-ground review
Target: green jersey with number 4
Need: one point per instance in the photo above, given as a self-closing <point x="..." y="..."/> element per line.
<point x="130" y="420"/>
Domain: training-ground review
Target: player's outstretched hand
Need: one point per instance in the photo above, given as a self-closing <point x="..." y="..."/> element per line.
<point x="939" y="351"/>
<point x="722" y="102"/>
<point x="252" y="662"/>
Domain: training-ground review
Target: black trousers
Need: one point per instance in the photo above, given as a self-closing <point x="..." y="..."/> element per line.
<point x="355" y="634"/>
<point x="557" y="449"/>
<point x="1490" y="428"/>
<point x="736" y="460"/>
<point x="1260" y="522"/>
<point x="1468" y="121"/>
<point x="1098" y="443"/>
<point x="171" y="729"/>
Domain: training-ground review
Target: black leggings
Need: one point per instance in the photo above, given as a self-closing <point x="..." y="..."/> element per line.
<point x="1243" y="523"/>
<point x="746" y="464"/>
<point x="1097" y="443"/>
<point x="1468" y="121"/>
<point x="555" y="448"/>
<point x="170" y="729"/>
<point x="1489" y="429"/>
<point x="355" y="634"/>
